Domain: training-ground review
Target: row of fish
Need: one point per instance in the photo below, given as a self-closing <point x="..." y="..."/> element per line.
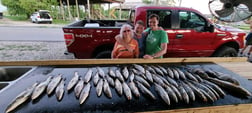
<point x="172" y="84"/>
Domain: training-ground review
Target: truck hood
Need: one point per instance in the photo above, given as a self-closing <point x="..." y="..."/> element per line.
<point x="229" y="28"/>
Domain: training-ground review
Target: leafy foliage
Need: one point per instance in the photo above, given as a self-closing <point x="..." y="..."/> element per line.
<point x="27" y="7"/>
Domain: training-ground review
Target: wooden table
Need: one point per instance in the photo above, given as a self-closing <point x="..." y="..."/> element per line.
<point x="238" y="65"/>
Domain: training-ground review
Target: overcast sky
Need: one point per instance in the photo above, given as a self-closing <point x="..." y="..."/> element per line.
<point x="201" y="5"/>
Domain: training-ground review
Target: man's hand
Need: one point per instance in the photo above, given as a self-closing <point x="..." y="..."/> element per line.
<point x="148" y="57"/>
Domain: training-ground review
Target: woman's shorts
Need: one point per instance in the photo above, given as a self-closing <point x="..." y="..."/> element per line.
<point x="249" y="39"/>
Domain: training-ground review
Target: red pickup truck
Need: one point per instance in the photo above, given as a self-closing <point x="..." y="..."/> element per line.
<point x="190" y="34"/>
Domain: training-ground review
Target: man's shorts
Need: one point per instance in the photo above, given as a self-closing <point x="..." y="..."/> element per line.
<point x="249" y="39"/>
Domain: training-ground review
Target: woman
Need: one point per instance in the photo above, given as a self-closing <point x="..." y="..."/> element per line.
<point x="126" y="35"/>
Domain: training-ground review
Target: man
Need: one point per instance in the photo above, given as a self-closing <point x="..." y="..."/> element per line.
<point x="248" y="38"/>
<point x="156" y="39"/>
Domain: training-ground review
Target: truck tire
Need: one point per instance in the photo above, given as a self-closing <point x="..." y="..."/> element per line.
<point x="104" y="54"/>
<point x="225" y="51"/>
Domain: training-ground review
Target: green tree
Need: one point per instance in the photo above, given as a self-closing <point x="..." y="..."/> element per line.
<point x="27" y="7"/>
<point x="13" y="7"/>
<point x="147" y="1"/>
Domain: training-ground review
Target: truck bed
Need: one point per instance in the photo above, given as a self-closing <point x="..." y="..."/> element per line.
<point x="97" y="23"/>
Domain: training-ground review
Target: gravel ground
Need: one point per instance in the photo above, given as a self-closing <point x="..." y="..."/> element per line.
<point x="31" y="50"/>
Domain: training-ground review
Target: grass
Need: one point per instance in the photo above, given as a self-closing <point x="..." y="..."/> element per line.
<point x="17" y="18"/>
<point x="244" y="27"/>
<point x="24" y="18"/>
<point x="57" y="21"/>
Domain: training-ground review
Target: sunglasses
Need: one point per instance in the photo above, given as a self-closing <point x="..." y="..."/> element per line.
<point x="126" y="31"/>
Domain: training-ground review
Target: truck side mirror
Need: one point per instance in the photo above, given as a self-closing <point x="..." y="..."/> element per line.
<point x="210" y="28"/>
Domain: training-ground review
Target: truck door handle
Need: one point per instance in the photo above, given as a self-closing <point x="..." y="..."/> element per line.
<point x="179" y="36"/>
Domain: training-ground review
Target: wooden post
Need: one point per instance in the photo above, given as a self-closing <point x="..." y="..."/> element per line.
<point x="109" y="10"/>
<point x="62" y="12"/>
<point x="77" y="9"/>
<point x="120" y="13"/>
<point x="68" y="8"/>
<point x="88" y="4"/>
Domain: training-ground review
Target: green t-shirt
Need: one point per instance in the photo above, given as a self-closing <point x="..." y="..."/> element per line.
<point x="154" y="41"/>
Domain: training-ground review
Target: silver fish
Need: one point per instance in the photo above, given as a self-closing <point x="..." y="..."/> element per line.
<point x="184" y="94"/>
<point x="176" y="91"/>
<point x="181" y="73"/>
<point x="106" y="89"/>
<point x="206" y="89"/>
<point x="125" y="72"/>
<point x="171" y="81"/>
<point x="96" y="78"/>
<point x="145" y="91"/>
<point x="162" y="69"/>
<point x="110" y="80"/>
<point x="158" y="71"/>
<point x="197" y="91"/>
<point x="162" y="93"/>
<point x="142" y="80"/>
<point x="99" y="87"/>
<point x="227" y="77"/>
<point x="112" y="73"/>
<point x="216" y="88"/>
<point x="189" y="91"/>
<point x="60" y="90"/>
<point x="84" y="93"/>
<point x="127" y="91"/>
<point x="170" y="72"/>
<point x="88" y="76"/>
<point x="209" y="98"/>
<point x="78" y="88"/>
<point x="73" y="81"/>
<point x="134" y="89"/>
<point x="40" y="88"/>
<point x="149" y="76"/>
<point x="101" y="72"/>
<point x="200" y="72"/>
<point x="158" y="80"/>
<point x="175" y="73"/>
<point x="139" y="68"/>
<point x="231" y="87"/>
<point x="142" y="75"/>
<point x="135" y="71"/>
<point x="164" y="80"/>
<point x="197" y="77"/>
<point x="150" y="69"/>
<point x="171" y="93"/>
<point x="118" y="87"/>
<point x="209" y="87"/>
<point x="190" y="76"/>
<point x="21" y="98"/>
<point x="53" y="84"/>
<point x="119" y="75"/>
<point x="131" y="77"/>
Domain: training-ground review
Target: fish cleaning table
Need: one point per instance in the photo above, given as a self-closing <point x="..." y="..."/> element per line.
<point x="40" y="70"/>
